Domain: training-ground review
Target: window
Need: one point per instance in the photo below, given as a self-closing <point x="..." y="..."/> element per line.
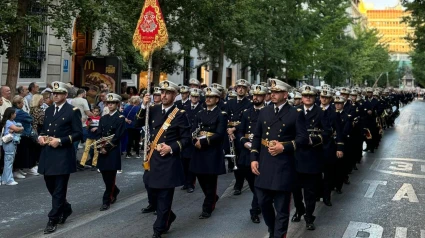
<point x="34" y="45"/>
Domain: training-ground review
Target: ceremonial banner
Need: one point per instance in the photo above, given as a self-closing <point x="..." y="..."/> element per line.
<point x="151" y="32"/>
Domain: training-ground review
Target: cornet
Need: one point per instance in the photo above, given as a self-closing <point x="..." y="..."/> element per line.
<point x="102" y="142"/>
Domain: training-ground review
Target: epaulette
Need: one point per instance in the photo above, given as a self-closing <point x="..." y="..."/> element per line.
<point x="75" y="108"/>
<point x="245" y="109"/>
<point x="223" y="112"/>
<point x="121" y="116"/>
<point x="299" y="109"/>
<point x="349" y="115"/>
<point x="225" y="102"/>
<point x="182" y="111"/>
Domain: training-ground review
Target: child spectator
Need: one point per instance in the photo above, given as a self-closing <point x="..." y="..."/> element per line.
<point x="93" y="135"/>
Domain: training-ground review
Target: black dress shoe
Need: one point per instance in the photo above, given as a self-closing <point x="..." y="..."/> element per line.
<point x="50" y="227"/>
<point x="327" y="202"/>
<point x="93" y="168"/>
<point x="190" y="190"/>
<point x="255" y="218"/>
<point x="184" y="187"/>
<point x="114" y="198"/>
<point x="271" y="235"/>
<point x="237" y="192"/>
<point x="156" y="235"/>
<point x="310" y="226"/>
<point x="104" y="207"/>
<point x="80" y="167"/>
<point x="205" y="215"/>
<point x="148" y="209"/>
<point x="64" y="216"/>
<point x="297" y="216"/>
<point x="338" y="191"/>
<point x="355" y="167"/>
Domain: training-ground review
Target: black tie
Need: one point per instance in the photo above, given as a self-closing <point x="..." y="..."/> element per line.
<point x="276" y="111"/>
<point x="239" y="101"/>
<point x="308" y="110"/>
<point x="208" y="112"/>
<point x="57" y="109"/>
<point x="193" y="107"/>
<point x="163" y="111"/>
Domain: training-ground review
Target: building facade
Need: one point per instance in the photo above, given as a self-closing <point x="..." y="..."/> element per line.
<point x="391" y="29"/>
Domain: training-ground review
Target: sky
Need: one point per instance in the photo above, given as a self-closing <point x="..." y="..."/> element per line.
<point x="382" y="4"/>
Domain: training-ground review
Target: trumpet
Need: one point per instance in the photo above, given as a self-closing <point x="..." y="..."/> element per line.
<point x="232" y="153"/>
<point x="102" y="142"/>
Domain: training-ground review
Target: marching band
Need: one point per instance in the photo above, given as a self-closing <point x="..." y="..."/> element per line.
<point x="287" y="143"/>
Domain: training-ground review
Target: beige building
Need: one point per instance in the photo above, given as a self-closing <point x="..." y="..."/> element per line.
<point x="391" y="30"/>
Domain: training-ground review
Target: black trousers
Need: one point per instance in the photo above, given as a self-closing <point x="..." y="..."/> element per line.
<point x="240" y="179"/>
<point x="133" y="140"/>
<point x="246" y="173"/>
<point x="190" y="180"/>
<point x="275" y="206"/>
<point x="329" y="180"/>
<point x="208" y="183"/>
<point x="309" y="183"/>
<point x="151" y="196"/>
<point x="111" y="190"/>
<point x="164" y="200"/>
<point x="58" y="186"/>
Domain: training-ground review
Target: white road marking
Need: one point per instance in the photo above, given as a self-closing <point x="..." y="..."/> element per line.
<point x="400" y="173"/>
<point x="373" y="185"/>
<point x="90" y="217"/>
<point x="422" y="233"/>
<point x="400" y="232"/>
<point x="422" y="168"/>
<point x="406" y="191"/>
<point x="358" y="229"/>
<point x="401" y="166"/>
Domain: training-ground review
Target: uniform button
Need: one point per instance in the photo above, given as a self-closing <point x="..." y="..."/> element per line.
<point x="165" y="137"/>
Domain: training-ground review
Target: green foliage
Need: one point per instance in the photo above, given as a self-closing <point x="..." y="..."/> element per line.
<point x="417" y="20"/>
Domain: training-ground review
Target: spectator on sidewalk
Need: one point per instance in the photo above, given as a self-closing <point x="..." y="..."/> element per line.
<point x="92" y="136"/>
<point x="9" y="126"/>
<point x="102" y="97"/>
<point x="81" y="103"/>
<point x="133" y="132"/>
<point x="33" y="89"/>
<point x="47" y="100"/>
<point x="5" y="93"/>
<point x="37" y="113"/>
<point x="25" y="161"/>
<point x="23" y="92"/>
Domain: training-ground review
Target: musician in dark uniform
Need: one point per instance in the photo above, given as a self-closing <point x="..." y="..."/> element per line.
<point x="191" y="111"/>
<point x="61" y="127"/>
<point x="330" y="152"/>
<point x="194" y="83"/>
<point x="244" y="136"/>
<point x="222" y="103"/>
<point x="370" y="106"/>
<point x="344" y="121"/>
<point x="297" y="99"/>
<point x="309" y="158"/>
<point x="345" y="92"/>
<point x="112" y="124"/>
<point x="184" y="92"/>
<point x="234" y="110"/>
<point x="207" y="162"/>
<point x="356" y="135"/>
<point x="279" y="132"/>
<point x="169" y="133"/>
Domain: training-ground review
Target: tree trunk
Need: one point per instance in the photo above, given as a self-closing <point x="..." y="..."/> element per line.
<point x="377" y="80"/>
<point x="221" y="65"/>
<point x="15" y="46"/>
<point x="264" y="70"/>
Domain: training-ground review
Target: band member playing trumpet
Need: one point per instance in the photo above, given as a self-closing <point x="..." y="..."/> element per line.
<point x="207" y="160"/>
<point x="280" y="131"/>
<point x="234" y="110"/>
<point x="61" y="127"/>
<point x="169" y="133"/>
<point x="112" y="124"/>
<point x="245" y="136"/>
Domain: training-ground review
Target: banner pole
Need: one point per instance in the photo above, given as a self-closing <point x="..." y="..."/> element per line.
<point x="146" y="140"/>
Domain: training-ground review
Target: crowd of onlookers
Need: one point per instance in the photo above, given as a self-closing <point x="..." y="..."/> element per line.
<point x="22" y="117"/>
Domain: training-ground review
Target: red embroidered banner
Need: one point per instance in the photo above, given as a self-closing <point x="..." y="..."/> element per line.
<point x="151" y="33"/>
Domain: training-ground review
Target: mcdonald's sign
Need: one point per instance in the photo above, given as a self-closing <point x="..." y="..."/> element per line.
<point x="90" y="64"/>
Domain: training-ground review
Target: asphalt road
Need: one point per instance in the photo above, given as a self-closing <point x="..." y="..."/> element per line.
<point x="386" y="199"/>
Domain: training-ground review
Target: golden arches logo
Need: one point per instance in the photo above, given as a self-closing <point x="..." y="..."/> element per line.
<point x="90" y="64"/>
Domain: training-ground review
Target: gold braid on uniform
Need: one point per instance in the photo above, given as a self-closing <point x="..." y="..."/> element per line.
<point x="254" y="151"/>
<point x="294" y="144"/>
<point x="70" y="138"/>
<point x="180" y="145"/>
